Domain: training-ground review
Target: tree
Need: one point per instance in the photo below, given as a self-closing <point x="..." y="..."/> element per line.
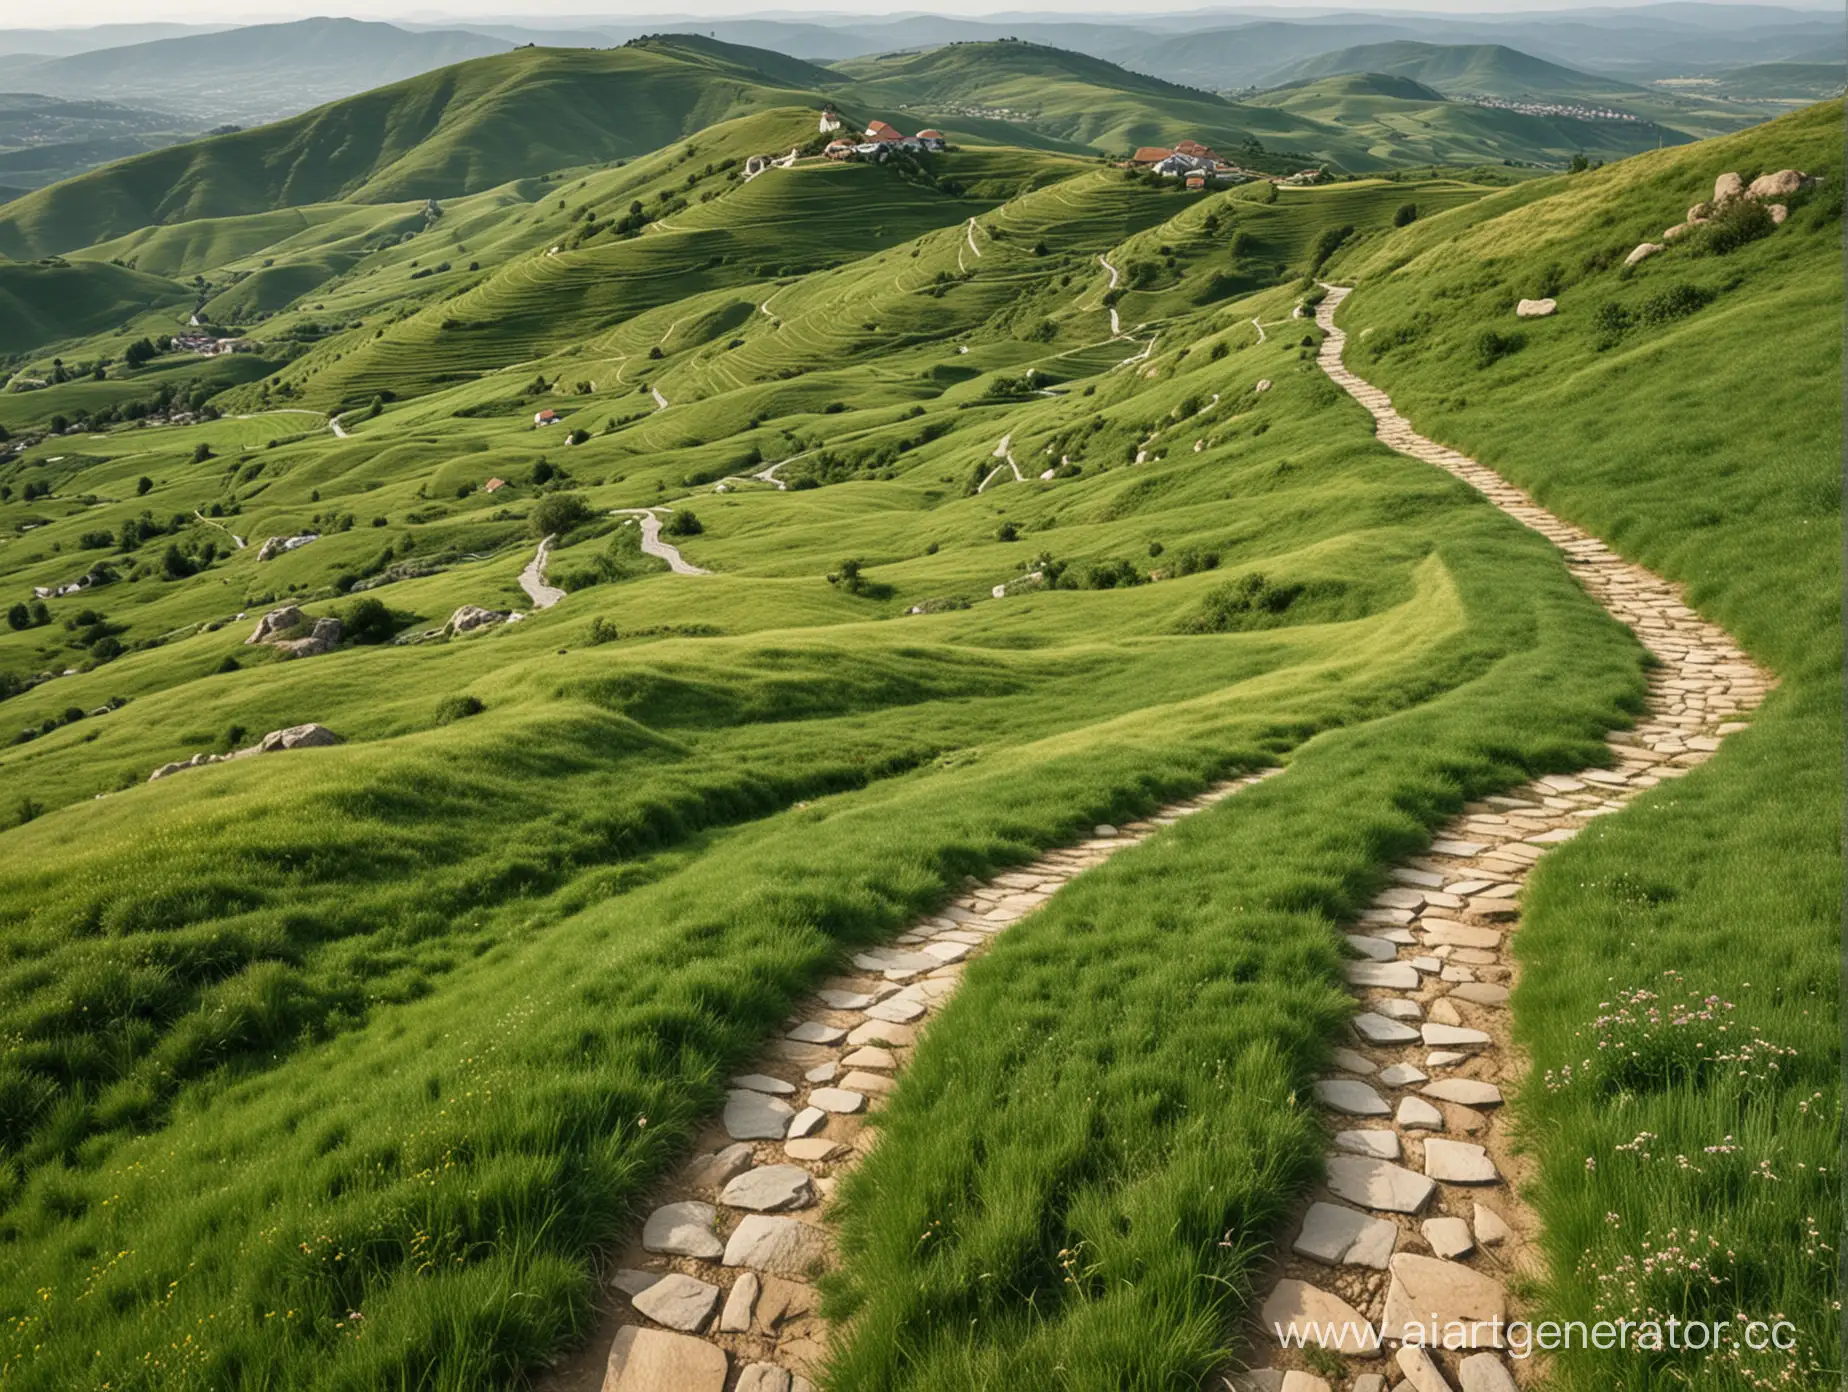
<point x="175" y="565"/>
<point x="683" y="523"/>
<point x="143" y="486"/>
<point x="1407" y="214"/>
<point x="557" y="513"/>
<point x="19" y="617"/>
<point x="367" y="620"/>
<point x="201" y="452"/>
<point x="1579" y="164"/>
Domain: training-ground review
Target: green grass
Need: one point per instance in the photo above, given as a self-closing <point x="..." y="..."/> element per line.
<point x="408" y="1027"/>
<point x="43" y="303"/>
<point x="1727" y="882"/>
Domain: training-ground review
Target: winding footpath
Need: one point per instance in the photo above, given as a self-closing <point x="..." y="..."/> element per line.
<point x="1005" y="454"/>
<point x="1417" y="1221"/>
<point x="532" y="579"/>
<point x="652" y="545"/>
<point x="719" y="1282"/>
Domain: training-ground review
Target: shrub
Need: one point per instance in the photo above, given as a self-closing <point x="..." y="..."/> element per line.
<point x="143" y="486"/>
<point x="1248" y="602"/>
<point x="1610" y="321"/>
<point x="1111" y="575"/>
<point x="1674" y="302"/>
<point x="459" y="707"/>
<point x="201" y="452"/>
<point x="1007" y="531"/>
<point x="1327" y="245"/>
<point x="682" y="524"/>
<point x="601" y="631"/>
<point x="19" y="617"/>
<point x="1733" y="225"/>
<point x="1406" y="216"/>
<point x="367" y="620"/>
<point x="1492" y="346"/>
<point x="557" y="513"/>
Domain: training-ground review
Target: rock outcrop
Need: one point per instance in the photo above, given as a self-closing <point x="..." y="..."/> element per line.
<point x="471" y="617"/>
<point x="1642" y="253"/>
<point x="282" y="629"/>
<point x="276" y="545"/>
<point x="1779" y="185"/>
<point x="1535" y="309"/>
<point x="310" y="736"/>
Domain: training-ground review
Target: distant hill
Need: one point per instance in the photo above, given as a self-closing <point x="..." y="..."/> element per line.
<point x="1489" y="70"/>
<point x="258" y="72"/>
<point x="1782" y="81"/>
<point x="46" y="302"/>
<point x="44" y="139"/>
<point x="465" y="128"/>
<point x="1405" y="122"/>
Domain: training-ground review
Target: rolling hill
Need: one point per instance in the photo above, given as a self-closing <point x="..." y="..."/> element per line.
<point x="1487" y="70"/>
<point x="258" y="72"/>
<point x="1405" y="121"/>
<point x="442" y="135"/>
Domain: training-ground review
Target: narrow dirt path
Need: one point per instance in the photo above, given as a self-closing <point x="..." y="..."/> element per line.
<point x="1004" y="453"/>
<point x="1418" y="1217"/>
<point x="1116" y="328"/>
<point x="236" y="540"/>
<point x="717" y="1284"/>
<point x="532" y="579"/>
<point x="972" y="246"/>
<point x="333" y="424"/>
<point x="652" y="545"/>
<point x="660" y="401"/>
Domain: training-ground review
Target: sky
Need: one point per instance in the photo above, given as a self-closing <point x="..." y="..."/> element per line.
<point x="34" y="14"/>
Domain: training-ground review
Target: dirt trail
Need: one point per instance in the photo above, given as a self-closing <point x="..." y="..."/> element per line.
<point x="652" y="544"/>
<point x="1116" y="328"/>
<point x="1419" y="1215"/>
<point x="532" y="579"/>
<point x="1005" y="454"/>
<point x="792" y="1125"/>
<point x="333" y="424"/>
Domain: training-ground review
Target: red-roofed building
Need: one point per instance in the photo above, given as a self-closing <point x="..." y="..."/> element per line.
<point x="493" y="485"/>
<point x="879" y="131"/>
<point x="839" y="150"/>
<point x="931" y="139"/>
<point x="1150" y="154"/>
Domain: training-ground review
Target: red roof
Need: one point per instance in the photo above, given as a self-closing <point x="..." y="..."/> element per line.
<point x="493" y="485"/>
<point x="1150" y="154"/>
<point x="879" y="130"/>
<point x="1192" y="147"/>
<point x="930" y="135"/>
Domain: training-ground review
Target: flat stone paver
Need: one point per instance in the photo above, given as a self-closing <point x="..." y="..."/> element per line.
<point x="649" y="1360"/>
<point x="683" y="1229"/>
<point x="680" y="1302"/>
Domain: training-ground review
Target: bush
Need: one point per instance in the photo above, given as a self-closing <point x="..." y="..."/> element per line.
<point x="682" y="524"/>
<point x="1734" y="224"/>
<point x="19" y="617"/>
<point x="367" y="620"/>
<point x="1406" y="216"/>
<point x="1492" y="346"/>
<point x="1674" y="302"/>
<point x="1327" y="245"/>
<point x="143" y="486"/>
<point x="201" y="452"/>
<point x="1248" y="602"/>
<point x="1007" y="532"/>
<point x="453" y="708"/>
<point x="557" y="513"/>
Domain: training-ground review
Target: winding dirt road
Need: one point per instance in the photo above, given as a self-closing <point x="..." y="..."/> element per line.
<point x="532" y="579"/>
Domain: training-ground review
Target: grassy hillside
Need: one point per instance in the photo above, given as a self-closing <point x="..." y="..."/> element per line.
<point x="1671" y="409"/>
<point x="44" y="302"/>
<point x="448" y="133"/>
<point x="1405" y="121"/>
<point x="1489" y="70"/>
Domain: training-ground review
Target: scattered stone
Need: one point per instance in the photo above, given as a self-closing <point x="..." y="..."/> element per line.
<point x="1454" y="1037"/>
<point x="822" y="1073"/>
<point x="632" y="1282"/>
<point x="1353" y="1098"/>
<point x="763" y="1377"/>
<point x="1449" y="1237"/>
<point x="1491" y="1229"/>
<point x="683" y="1230"/>
<point x="1381" y="1145"/>
<point x="1401" y="1075"/>
<point x="1334" y="1235"/>
<point x="469" y="618"/>
<point x="812" y="1148"/>
<point x="753" y="1116"/>
<point x="808" y="1121"/>
<point x="714" y="1170"/>
<point x="1468" y="1092"/>
<point x="1466" y="1121"/>
<point x="680" y="1302"/>
<point x="1416" y="1114"/>
<point x="1393" y="976"/>
<point x="1421" y="1371"/>
<point x="1778" y="185"/>
<point x="832" y="1099"/>
<point x="1534" y="309"/>
<point x="648" y="1360"/>
<point x="1458" y="1162"/>
<point x="308" y="736"/>
<point x="761" y="1082"/>
<point x="817" y="1032"/>
<point x="1484" y="1372"/>
<point x="781" y="1246"/>
<point x="1399" y="1009"/>
<point x="1425" y="1290"/>
<point x="770" y="1189"/>
<point x="1445" y="1012"/>
<point x="1306" y="1306"/>
<point x="735" y="1318"/>
<point x="1443" y="1058"/>
<point x="1380" y="1030"/>
<point x="1642" y="253"/>
<point x="1482" y="993"/>
<point x="1378" y="1184"/>
<point x="1778" y="214"/>
<point x="1727" y="186"/>
<point x="1352" y="1061"/>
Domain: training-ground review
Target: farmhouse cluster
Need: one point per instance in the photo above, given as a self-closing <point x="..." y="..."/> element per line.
<point x="879" y="141"/>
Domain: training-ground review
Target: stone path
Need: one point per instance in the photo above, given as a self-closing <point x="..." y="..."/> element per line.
<point x="1417" y="1216"/>
<point x="532" y="579"/>
<point x="716" y="1292"/>
<point x="652" y="545"/>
